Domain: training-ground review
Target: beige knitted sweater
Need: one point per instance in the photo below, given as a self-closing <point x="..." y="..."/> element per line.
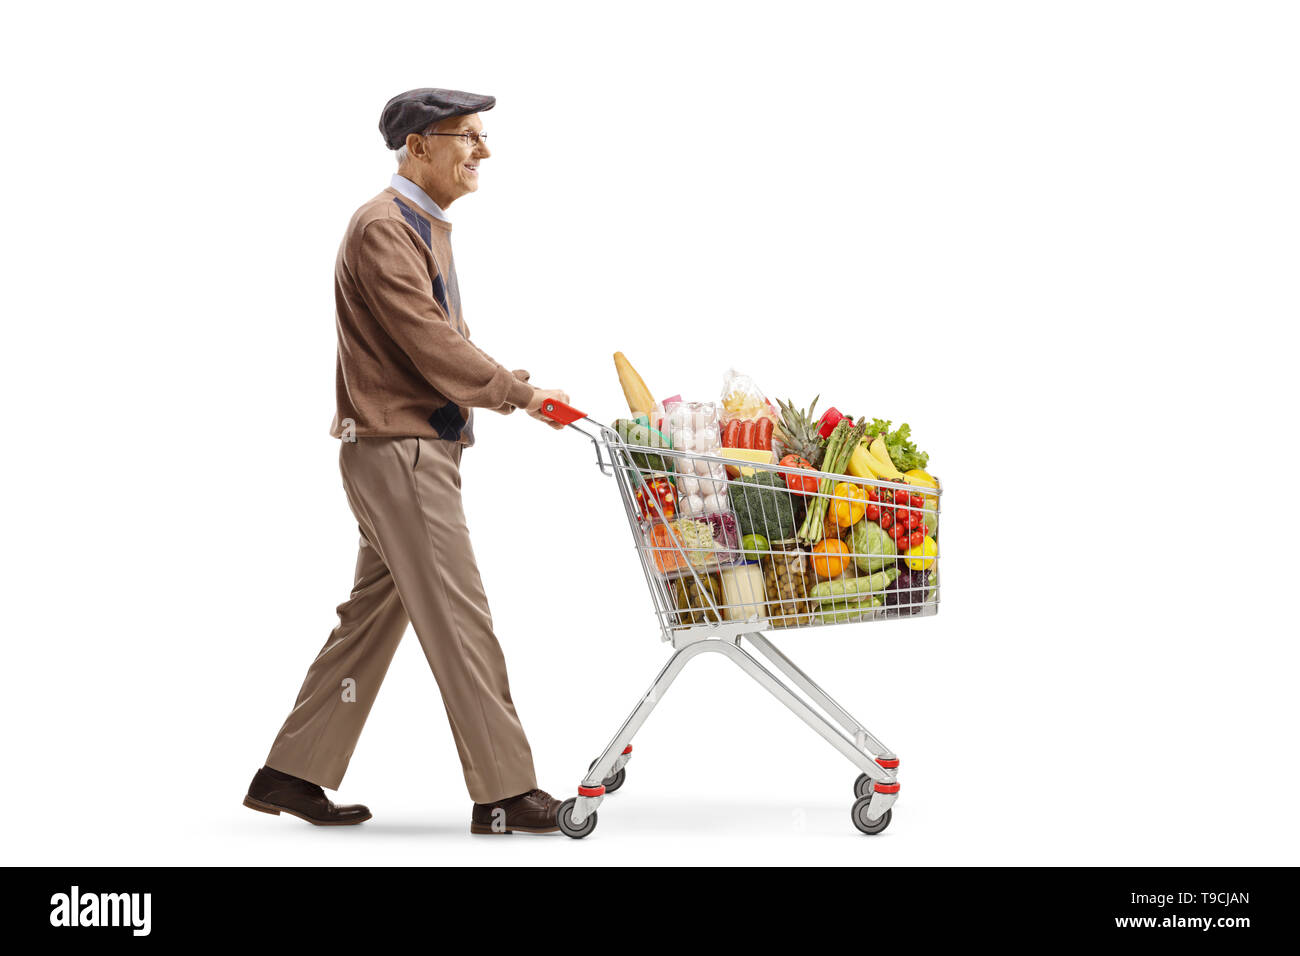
<point x="406" y="365"/>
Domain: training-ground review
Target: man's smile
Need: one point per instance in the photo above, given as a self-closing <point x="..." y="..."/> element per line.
<point x="472" y="167"/>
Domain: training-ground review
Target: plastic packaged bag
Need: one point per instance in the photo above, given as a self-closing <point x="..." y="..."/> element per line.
<point x="742" y="400"/>
<point x="741" y="397"/>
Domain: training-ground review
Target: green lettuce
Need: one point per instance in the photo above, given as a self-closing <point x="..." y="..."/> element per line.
<point x="902" y="450"/>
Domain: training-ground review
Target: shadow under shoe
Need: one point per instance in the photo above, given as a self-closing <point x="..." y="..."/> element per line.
<point x="531" y="812"/>
<point x="274" y="792"/>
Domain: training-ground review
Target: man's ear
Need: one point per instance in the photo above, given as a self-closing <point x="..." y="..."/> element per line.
<point x="411" y="140"/>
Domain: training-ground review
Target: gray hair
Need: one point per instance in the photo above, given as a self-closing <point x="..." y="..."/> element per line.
<point x="402" y="155"/>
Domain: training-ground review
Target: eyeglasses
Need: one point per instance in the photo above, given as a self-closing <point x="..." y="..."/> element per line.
<point x="469" y="137"/>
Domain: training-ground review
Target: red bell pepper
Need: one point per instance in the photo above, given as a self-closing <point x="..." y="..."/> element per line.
<point x="830" y="418"/>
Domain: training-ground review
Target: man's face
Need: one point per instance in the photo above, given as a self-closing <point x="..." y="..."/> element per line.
<point x="448" y="165"/>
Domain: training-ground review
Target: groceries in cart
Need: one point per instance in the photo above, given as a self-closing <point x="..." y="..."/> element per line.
<point x="708" y="541"/>
<point x="773" y="513"/>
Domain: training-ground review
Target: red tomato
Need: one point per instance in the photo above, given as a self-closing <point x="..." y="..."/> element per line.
<point x="925" y="528"/>
<point x="872" y="493"/>
<point x="915" y="539"/>
<point x="917" y="500"/>
<point x="886" y="520"/>
<point x="903" y="519"/>
<point x="873" y="512"/>
<point x="917" y="517"/>
<point x="799" y="484"/>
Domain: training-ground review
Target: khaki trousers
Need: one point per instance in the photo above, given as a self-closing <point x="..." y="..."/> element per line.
<point x="415" y="564"/>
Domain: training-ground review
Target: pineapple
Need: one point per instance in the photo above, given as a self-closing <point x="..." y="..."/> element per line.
<point x="799" y="431"/>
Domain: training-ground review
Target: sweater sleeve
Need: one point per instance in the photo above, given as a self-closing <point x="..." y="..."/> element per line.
<point x="507" y="408"/>
<point x="395" y="285"/>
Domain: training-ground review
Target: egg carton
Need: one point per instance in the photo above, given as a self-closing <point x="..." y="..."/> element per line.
<point x="701" y="484"/>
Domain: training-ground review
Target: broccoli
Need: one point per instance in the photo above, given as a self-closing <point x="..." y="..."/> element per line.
<point x="764" y="505"/>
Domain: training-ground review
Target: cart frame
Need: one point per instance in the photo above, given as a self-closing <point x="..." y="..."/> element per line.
<point x="875" y="790"/>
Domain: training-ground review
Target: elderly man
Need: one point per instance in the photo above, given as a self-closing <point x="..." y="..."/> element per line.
<point x="408" y="380"/>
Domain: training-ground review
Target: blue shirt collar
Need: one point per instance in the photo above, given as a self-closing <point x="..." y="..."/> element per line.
<point x="418" y="196"/>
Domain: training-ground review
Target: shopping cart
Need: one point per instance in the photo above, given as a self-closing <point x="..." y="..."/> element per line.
<point x="712" y="587"/>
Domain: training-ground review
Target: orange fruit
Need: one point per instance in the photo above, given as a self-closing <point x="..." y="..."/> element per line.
<point x="829" y="557"/>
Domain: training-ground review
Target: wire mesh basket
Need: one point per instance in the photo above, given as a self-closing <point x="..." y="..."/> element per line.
<point x="775" y="546"/>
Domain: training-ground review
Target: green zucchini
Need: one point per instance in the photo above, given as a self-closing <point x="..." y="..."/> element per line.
<point x="850" y="588"/>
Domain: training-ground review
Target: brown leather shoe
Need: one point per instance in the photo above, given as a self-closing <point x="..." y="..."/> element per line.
<point x="531" y="812"/>
<point x="274" y="792"/>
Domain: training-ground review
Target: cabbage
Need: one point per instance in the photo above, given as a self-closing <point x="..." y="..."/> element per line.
<point x="873" y="549"/>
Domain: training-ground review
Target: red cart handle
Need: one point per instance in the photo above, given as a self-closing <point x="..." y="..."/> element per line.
<point x="558" y="411"/>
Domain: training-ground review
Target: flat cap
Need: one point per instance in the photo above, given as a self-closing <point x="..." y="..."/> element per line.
<point x="417" y="110"/>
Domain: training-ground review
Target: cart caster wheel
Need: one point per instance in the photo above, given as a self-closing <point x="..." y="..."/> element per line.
<point x="570" y="829"/>
<point x="862" y="786"/>
<point x="614" y="780"/>
<point x="869" y="827"/>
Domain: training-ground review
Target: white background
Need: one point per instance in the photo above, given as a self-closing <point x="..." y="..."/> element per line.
<point x="1059" y="239"/>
